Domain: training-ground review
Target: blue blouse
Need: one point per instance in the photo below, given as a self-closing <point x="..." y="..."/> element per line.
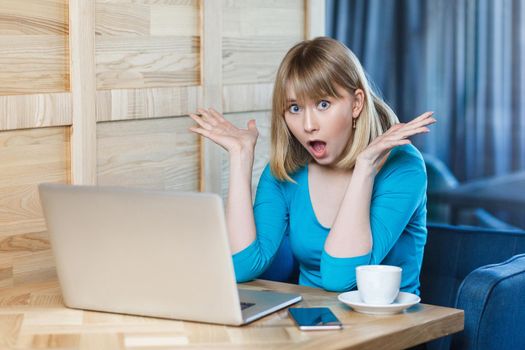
<point x="397" y="221"/>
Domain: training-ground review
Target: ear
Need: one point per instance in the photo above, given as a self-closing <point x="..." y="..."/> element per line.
<point x="359" y="101"/>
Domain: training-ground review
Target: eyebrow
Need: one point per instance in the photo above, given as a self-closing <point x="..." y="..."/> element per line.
<point x="291" y="100"/>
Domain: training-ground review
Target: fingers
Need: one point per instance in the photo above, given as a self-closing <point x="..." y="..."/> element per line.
<point x="413" y="130"/>
<point x="423" y="116"/>
<point x="424" y="119"/>
<point x="216" y="115"/>
<point x="416" y="126"/>
<point x="393" y="142"/>
<point x="397" y="135"/>
<point x="419" y="125"/>
<point x="199" y="120"/>
<point x="200" y="131"/>
<point x="207" y="116"/>
<point x="394" y="128"/>
<point x="252" y="124"/>
<point x="208" y="134"/>
<point x="387" y="146"/>
<point x="405" y="133"/>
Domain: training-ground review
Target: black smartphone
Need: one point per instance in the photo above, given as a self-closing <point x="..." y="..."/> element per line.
<point x="314" y="318"/>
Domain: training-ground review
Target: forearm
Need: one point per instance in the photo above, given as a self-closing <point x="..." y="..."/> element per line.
<point x="351" y="234"/>
<point x="239" y="211"/>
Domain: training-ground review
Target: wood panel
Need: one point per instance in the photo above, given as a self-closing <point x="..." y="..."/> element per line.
<point x="147" y="44"/>
<point x="262" y="149"/>
<point x="256" y="36"/>
<point x="179" y="18"/>
<point x="36" y="266"/>
<point x="149" y="59"/>
<point x="122" y="19"/>
<point x="33" y="111"/>
<point x="123" y="104"/>
<point x="253" y="60"/>
<point x="247" y="97"/>
<point x="29" y="157"/>
<point x="153" y="153"/>
<point x="315" y="18"/>
<point x="263" y="18"/>
<point x="33" y="46"/>
<point x="25" y="258"/>
<point x="83" y="92"/>
<point x="211" y="67"/>
<point x="144" y="18"/>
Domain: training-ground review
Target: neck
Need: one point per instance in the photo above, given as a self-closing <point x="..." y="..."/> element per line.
<point x="329" y="170"/>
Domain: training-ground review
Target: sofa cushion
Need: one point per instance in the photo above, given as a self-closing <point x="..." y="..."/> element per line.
<point x="493" y="298"/>
<point x="452" y="252"/>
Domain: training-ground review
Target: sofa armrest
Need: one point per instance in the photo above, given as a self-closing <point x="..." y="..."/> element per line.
<point x="452" y="253"/>
<point x="493" y="299"/>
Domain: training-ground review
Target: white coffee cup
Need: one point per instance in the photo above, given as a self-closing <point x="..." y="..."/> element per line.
<point x="378" y="284"/>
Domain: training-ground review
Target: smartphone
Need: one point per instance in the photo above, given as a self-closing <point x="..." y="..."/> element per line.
<point x="314" y="318"/>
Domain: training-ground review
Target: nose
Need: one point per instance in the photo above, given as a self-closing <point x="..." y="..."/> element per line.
<point x="310" y="123"/>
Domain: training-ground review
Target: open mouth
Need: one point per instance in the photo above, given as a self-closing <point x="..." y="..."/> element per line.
<point x="318" y="148"/>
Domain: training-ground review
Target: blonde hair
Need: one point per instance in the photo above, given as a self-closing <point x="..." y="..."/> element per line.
<point x="314" y="69"/>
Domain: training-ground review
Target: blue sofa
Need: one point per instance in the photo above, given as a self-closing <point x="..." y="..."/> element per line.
<point x="481" y="271"/>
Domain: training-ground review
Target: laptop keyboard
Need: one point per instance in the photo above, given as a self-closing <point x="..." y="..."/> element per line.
<point x="246" y="305"/>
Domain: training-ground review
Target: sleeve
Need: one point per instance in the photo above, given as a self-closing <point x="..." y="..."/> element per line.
<point x="396" y="197"/>
<point x="271" y="221"/>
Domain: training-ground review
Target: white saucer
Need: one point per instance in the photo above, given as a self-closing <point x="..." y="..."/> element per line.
<point x="402" y="302"/>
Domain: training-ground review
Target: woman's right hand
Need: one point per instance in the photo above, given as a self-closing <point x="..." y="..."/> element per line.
<point x="211" y="124"/>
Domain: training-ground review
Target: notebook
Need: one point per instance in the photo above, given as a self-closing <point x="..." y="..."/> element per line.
<point x="151" y="253"/>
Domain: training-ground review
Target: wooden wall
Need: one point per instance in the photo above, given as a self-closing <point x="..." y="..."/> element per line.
<point x="98" y="92"/>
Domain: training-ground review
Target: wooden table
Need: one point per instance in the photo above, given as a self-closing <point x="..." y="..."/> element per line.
<point x="33" y="317"/>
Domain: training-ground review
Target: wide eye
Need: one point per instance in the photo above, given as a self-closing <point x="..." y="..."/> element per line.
<point x="323" y="105"/>
<point x="294" y="108"/>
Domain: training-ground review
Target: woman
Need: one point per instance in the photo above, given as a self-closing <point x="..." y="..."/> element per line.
<point x="343" y="180"/>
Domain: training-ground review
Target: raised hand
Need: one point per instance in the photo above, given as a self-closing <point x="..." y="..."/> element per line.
<point x="211" y="124"/>
<point x="376" y="152"/>
<point x="240" y="144"/>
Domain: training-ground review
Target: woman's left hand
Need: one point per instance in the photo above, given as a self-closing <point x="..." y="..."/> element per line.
<point x="376" y="152"/>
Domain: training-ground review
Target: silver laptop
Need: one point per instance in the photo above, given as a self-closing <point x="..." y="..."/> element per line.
<point x="151" y="253"/>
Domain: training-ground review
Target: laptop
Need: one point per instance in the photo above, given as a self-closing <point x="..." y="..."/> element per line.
<point x="150" y="253"/>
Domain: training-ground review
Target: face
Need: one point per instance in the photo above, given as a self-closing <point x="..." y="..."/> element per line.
<point x="324" y="127"/>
